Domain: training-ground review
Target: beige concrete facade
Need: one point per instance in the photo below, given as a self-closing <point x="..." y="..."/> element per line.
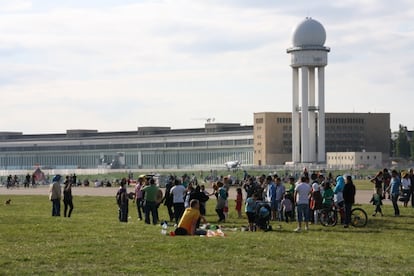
<point x="345" y="132"/>
<point x="355" y="160"/>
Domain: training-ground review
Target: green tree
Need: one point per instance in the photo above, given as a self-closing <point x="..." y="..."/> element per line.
<point x="403" y="147"/>
<point x="412" y="146"/>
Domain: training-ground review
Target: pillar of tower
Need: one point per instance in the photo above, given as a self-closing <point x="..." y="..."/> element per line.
<point x="305" y="116"/>
<point x="321" y="115"/>
<point x="295" y="116"/>
<point x="312" y="115"/>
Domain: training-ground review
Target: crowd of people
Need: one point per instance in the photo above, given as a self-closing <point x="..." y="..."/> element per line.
<point x="304" y="196"/>
<point x="395" y="186"/>
<point x="184" y="199"/>
<point x="289" y="199"/>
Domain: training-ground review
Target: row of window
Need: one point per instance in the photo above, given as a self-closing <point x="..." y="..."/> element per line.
<point x="133" y="159"/>
<point x="344" y="120"/>
<point x="350" y="157"/>
<point x="288" y="120"/>
<point x="109" y="146"/>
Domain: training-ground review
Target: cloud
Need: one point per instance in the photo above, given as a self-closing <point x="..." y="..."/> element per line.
<point x="15" y="5"/>
<point x="120" y="64"/>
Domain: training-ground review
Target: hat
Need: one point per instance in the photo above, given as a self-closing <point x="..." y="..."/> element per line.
<point x="403" y="174"/>
<point x="56" y="178"/>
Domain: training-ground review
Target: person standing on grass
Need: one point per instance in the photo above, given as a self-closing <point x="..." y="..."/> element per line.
<point x="339" y="196"/>
<point x="287" y="208"/>
<point x="394" y="191"/>
<point x="376" y="200"/>
<point x="327" y="196"/>
<point x="280" y="191"/>
<point x="406" y="187"/>
<point x="271" y="196"/>
<point x="377" y="180"/>
<point x="349" y="199"/>
<point x="221" y="201"/>
<point x="151" y="199"/>
<point x="177" y="193"/>
<point x="250" y="209"/>
<point x="122" y="200"/>
<point x="55" y="194"/>
<point x="239" y="202"/>
<point x="67" y="197"/>
<point x="386" y="182"/>
<point x="201" y="197"/>
<point x="316" y="197"/>
<point x="302" y="191"/>
<point x="412" y="186"/>
<point x="138" y="196"/>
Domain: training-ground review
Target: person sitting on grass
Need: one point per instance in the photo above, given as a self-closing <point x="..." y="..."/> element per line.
<point x="189" y="220"/>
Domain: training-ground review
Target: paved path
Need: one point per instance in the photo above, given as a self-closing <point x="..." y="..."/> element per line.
<point x="362" y="196"/>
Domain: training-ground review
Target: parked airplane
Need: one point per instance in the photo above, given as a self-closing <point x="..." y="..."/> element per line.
<point x="233" y="164"/>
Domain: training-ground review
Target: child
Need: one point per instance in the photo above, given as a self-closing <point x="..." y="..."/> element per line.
<point x="377" y="201"/>
<point x="239" y="200"/>
<point x="250" y="209"/>
<point x="327" y="196"/>
<point x="287" y="207"/>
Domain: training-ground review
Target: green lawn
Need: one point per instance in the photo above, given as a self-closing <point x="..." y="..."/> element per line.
<point x="94" y="242"/>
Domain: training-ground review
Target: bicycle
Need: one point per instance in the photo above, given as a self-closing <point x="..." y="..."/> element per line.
<point x="329" y="216"/>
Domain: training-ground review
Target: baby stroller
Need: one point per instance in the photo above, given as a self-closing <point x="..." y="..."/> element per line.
<point x="263" y="214"/>
<point x="404" y="196"/>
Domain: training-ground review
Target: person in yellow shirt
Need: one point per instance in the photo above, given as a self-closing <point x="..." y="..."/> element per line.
<point x="189" y="220"/>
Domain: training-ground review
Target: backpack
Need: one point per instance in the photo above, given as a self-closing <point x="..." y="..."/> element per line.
<point x="119" y="196"/>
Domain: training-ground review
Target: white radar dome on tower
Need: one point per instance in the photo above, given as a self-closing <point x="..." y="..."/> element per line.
<point x="309" y="32"/>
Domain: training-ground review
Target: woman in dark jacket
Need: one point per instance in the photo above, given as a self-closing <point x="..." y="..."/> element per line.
<point x="67" y="197"/>
<point x="349" y="199"/>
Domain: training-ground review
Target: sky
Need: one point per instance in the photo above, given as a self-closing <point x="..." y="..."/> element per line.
<point x="116" y="65"/>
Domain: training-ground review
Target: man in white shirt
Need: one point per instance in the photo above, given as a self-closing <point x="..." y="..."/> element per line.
<point x="302" y="191"/>
<point x="178" y="192"/>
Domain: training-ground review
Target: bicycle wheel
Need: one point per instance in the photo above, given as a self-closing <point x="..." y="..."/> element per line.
<point x="359" y="217"/>
<point x="328" y="217"/>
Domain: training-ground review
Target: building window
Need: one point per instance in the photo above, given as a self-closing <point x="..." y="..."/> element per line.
<point x="259" y="120"/>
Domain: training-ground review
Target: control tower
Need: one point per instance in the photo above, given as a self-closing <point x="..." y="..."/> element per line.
<point x="309" y="57"/>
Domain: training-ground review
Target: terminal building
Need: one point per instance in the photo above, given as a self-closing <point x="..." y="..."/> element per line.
<point x="345" y="132"/>
<point x="146" y="148"/>
<point x="267" y="142"/>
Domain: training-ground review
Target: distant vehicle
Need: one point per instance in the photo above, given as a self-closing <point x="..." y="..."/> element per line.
<point x="232" y="164"/>
<point x="160" y="180"/>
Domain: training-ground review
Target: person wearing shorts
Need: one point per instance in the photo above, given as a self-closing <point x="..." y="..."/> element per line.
<point x="302" y="191"/>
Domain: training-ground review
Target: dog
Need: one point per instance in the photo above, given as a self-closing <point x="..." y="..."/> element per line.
<point x="8" y="202"/>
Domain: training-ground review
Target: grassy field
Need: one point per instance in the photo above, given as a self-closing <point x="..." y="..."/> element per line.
<point x="94" y="242"/>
